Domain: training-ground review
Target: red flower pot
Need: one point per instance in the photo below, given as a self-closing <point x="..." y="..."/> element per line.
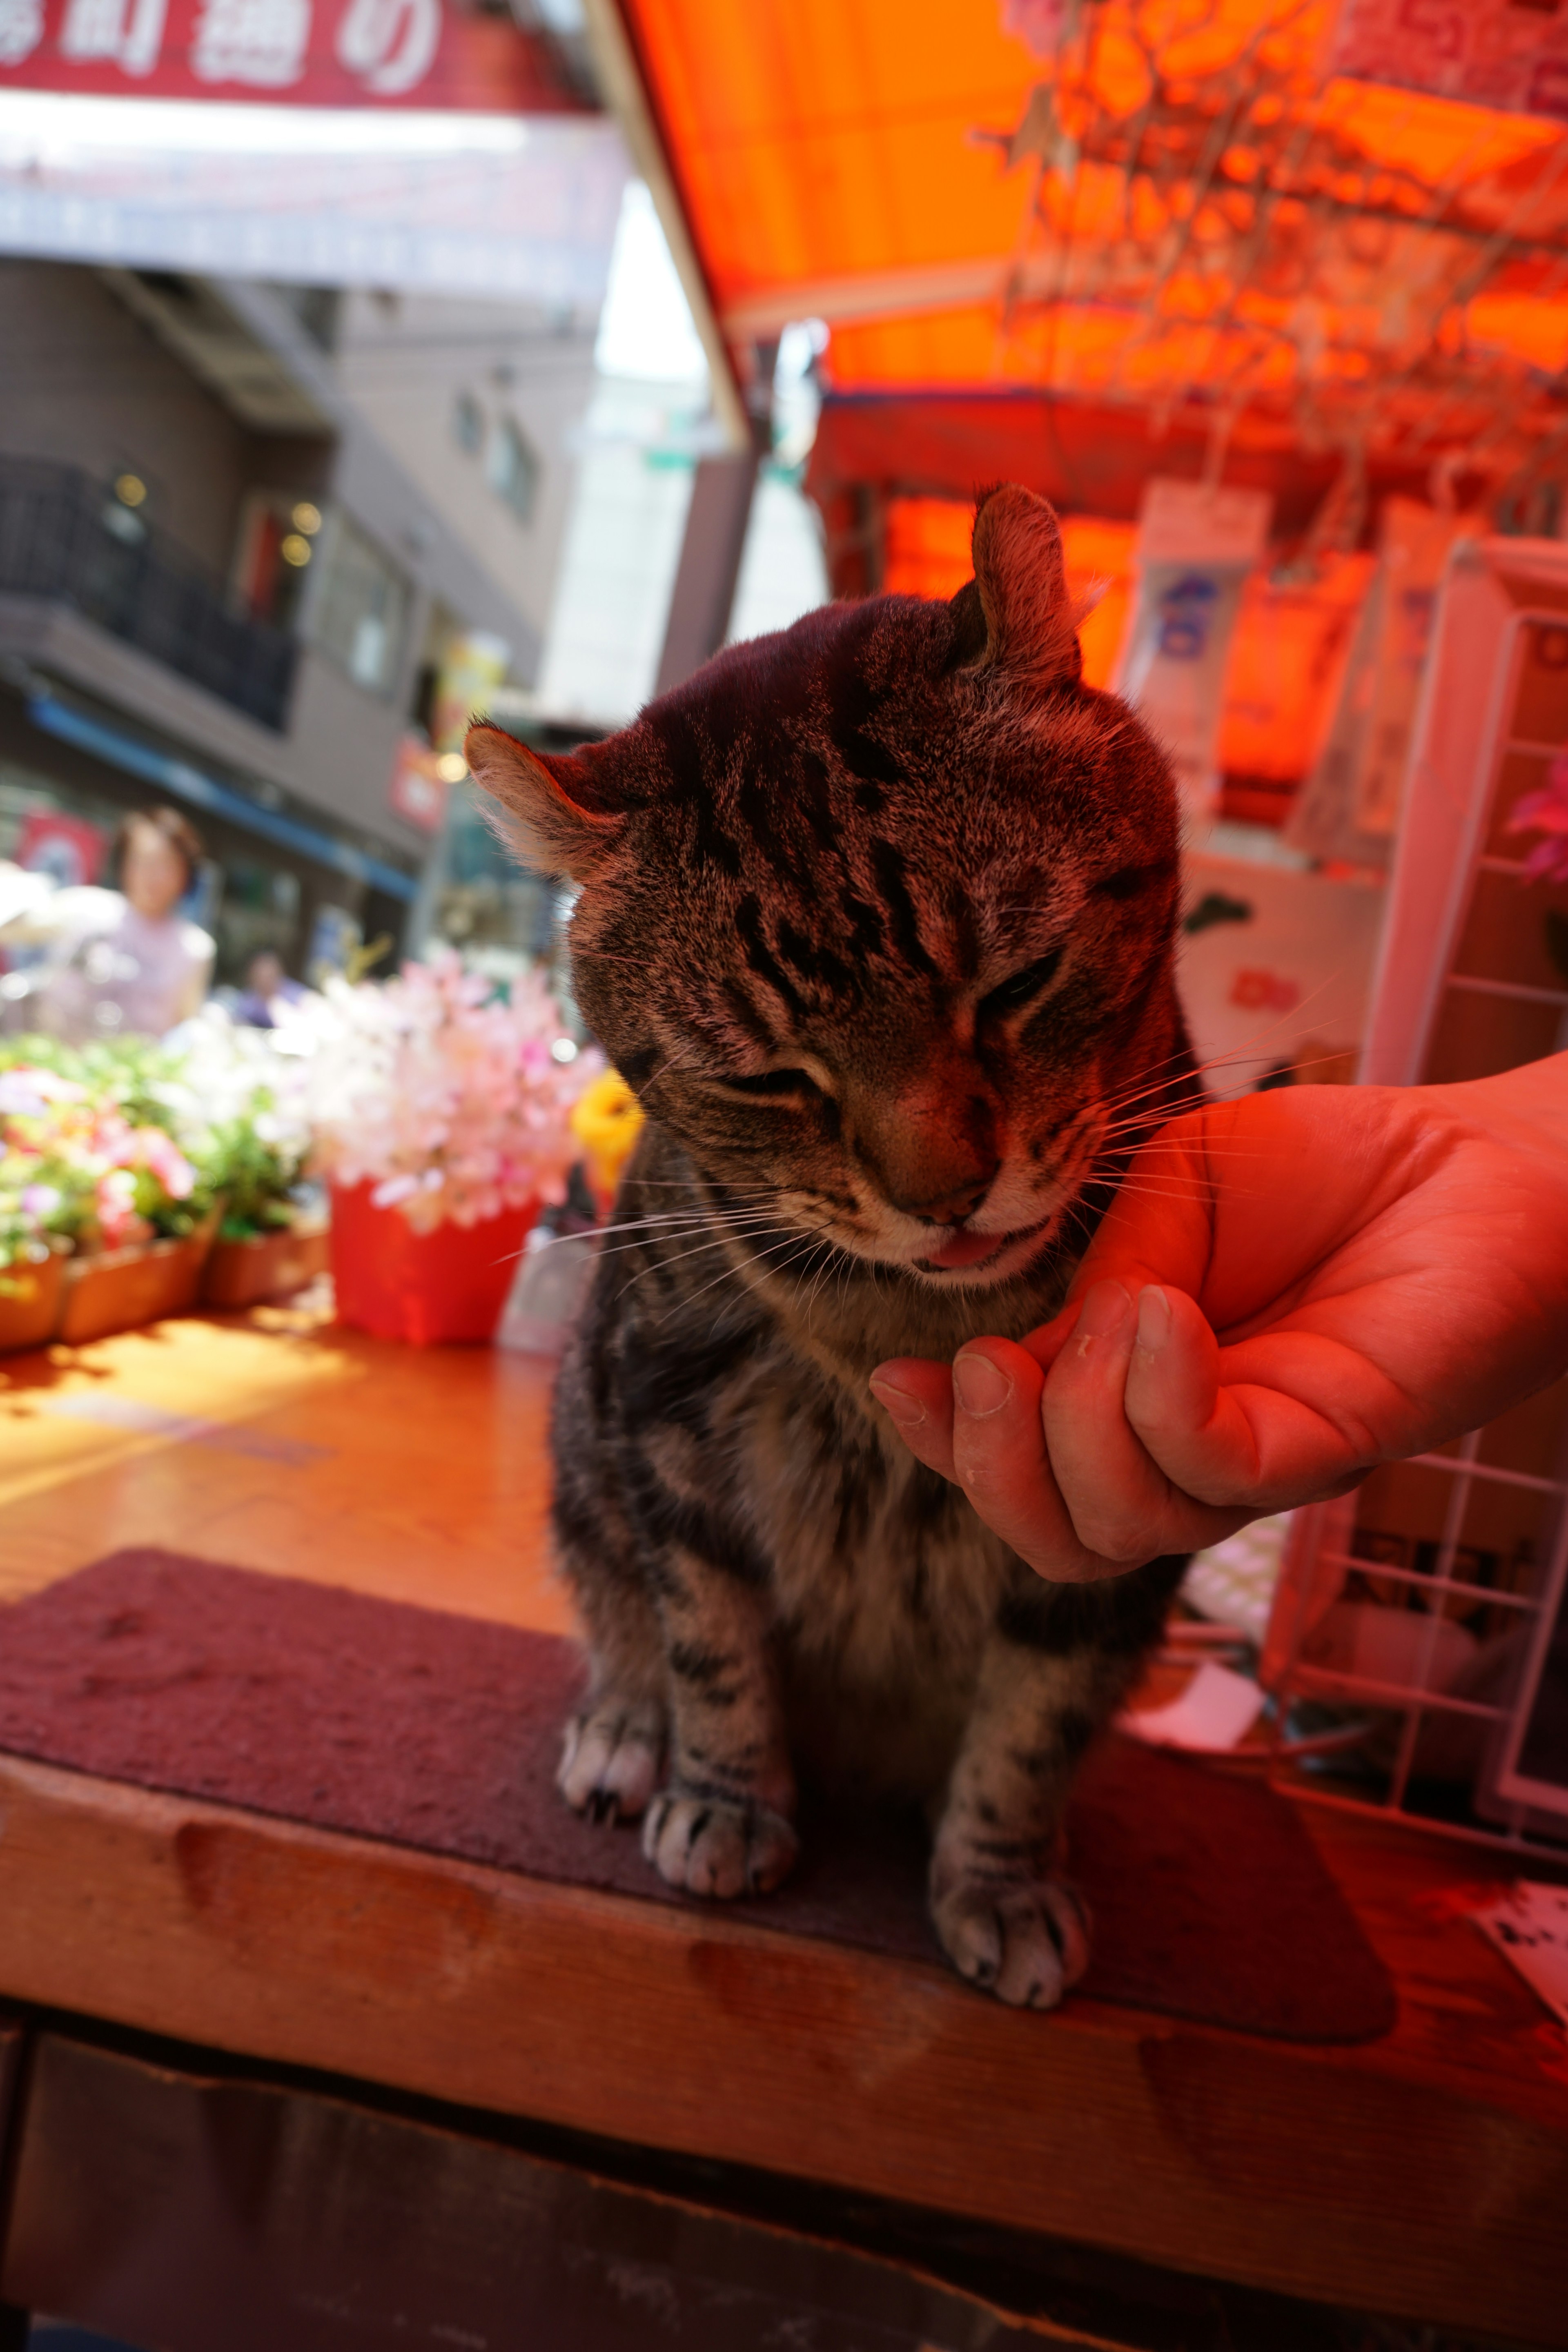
<point x="450" y="1284"/>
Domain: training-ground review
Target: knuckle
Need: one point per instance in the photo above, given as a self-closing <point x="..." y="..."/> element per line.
<point x="1127" y="1542"/>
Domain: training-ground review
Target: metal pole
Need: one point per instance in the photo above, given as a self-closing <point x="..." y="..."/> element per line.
<point x="704" y="591"/>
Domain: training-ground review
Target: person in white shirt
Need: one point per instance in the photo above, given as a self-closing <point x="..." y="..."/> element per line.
<point x="123" y="961"/>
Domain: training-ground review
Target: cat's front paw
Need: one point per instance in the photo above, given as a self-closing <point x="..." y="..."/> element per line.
<point x="1026" y="1943"/>
<point x="610" y="1759"/>
<point x="709" y="1846"/>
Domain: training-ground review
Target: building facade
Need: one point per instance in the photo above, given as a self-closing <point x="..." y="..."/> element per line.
<point x="242" y="530"/>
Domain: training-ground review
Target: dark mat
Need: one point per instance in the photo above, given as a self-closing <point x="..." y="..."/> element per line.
<point x="442" y="1732"/>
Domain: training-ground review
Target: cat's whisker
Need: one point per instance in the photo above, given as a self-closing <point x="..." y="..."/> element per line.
<point x="1149" y="1191"/>
<point x="1225" y="1148"/>
<point x="678" y="1230"/>
<point x="668" y="1217"/>
<point x="736" y="1272"/>
<point x="1233" y="1055"/>
<point x="715" y="1240"/>
<point x="634" y="1225"/>
<point x="684" y="1184"/>
<point x="631" y="1237"/>
<point x="738" y="1233"/>
<point x="1142" y="1138"/>
<point x="1149" y="1126"/>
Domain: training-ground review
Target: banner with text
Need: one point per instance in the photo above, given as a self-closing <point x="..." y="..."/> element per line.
<point x="425" y="53"/>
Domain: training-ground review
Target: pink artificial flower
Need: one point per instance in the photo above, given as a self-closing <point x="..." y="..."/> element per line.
<point x="26" y="1092"/>
<point x="1546" y="812"/>
<point x="116" y="1205"/>
<point x="161" y="1155"/>
<point x="450" y="1100"/>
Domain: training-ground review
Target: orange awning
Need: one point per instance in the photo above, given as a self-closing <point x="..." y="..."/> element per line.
<point x="1131" y="249"/>
<point x="1137" y="222"/>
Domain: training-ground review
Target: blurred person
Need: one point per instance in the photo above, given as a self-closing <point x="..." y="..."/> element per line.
<point x="119" y="962"/>
<point x="266" y="988"/>
<point x="1289" y="1290"/>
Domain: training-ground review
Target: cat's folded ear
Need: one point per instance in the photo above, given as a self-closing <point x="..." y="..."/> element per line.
<point x="1021" y="587"/>
<point x="551" y="808"/>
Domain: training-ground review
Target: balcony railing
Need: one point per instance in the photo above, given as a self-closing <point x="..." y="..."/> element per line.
<point x="64" y="538"/>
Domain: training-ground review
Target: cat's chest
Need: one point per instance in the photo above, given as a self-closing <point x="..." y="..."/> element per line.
<point x="872" y="1558"/>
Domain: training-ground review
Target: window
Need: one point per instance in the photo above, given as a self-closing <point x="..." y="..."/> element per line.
<point x="317" y="309"/>
<point x="513" y="470"/>
<point x="362" y="610"/>
<point x="468" y="424"/>
<point x="279" y="549"/>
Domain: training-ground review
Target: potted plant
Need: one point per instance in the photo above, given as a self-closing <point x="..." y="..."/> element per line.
<point x="440" y="1108"/>
<point x="106" y="1181"/>
<point x="239" y="1103"/>
<point x="33" y="1228"/>
<point x="269" y="1242"/>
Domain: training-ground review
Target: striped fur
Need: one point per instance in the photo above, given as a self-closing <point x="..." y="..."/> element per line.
<point x="878" y="918"/>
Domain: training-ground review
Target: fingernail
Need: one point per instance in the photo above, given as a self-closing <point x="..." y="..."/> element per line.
<point x="1105" y="1309"/>
<point x="980" y="1387"/>
<point x="1154" y="1318"/>
<point x="898" y="1404"/>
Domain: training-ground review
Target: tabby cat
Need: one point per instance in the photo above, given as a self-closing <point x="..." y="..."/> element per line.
<point x="877" y="916"/>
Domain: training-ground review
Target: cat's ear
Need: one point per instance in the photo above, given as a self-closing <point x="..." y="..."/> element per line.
<point x="1021" y="585"/>
<point x="551" y="808"/>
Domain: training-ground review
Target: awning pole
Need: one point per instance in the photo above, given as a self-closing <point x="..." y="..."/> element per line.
<point x="620" y="76"/>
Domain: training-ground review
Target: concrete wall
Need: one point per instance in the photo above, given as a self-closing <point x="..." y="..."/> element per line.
<point x="84" y="382"/>
<point x="404" y="360"/>
<point x="399" y="494"/>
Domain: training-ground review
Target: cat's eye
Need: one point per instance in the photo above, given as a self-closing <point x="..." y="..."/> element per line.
<point x="1022" y="989"/>
<point x="772" y="1083"/>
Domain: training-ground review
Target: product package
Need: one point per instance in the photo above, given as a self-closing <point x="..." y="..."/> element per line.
<point x="1196" y="545"/>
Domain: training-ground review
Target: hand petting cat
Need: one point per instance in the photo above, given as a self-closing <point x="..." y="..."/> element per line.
<point x="1288" y="1290"/>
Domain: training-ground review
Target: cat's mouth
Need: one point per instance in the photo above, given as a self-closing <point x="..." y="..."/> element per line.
<point x="966" y="1252"/>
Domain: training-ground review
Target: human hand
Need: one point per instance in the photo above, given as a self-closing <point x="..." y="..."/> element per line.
<point x="1288" y="1290"/>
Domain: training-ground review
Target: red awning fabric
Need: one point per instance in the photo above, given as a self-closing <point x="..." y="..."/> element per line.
<point x="1203" y="228"/>
<point x="1080" y="243"/>
<point x="1086" y="458"/>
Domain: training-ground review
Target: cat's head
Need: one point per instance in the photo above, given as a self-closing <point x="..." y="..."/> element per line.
<point x="877" y="914"/>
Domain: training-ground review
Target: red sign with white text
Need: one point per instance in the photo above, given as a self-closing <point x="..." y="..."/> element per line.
<point x="418" y="790"/>
<point x="425" y="53"/>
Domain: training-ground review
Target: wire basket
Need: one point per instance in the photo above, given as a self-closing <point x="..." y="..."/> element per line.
<point x="1417" y="1649"/>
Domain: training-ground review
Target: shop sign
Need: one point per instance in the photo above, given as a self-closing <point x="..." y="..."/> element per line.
<point x="420" y="784"/>
<point x="69" y="849"/>
<point x="343" y="53"/>
<point x="472" y="666"/>
<point x="1509" y="54"/>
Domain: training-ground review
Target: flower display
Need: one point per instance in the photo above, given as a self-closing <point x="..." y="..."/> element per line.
<point x="452" y="1101"/>
<point x="240" y="1100"/>
<point x="81" y="1164"/>
<point x="1546" y="812"/>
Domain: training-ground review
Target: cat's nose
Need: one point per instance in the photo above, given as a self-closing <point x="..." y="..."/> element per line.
<point x="952" y="1208"/>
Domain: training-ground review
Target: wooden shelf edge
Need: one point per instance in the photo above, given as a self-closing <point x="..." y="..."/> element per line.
<point x="1323" y="2173"/>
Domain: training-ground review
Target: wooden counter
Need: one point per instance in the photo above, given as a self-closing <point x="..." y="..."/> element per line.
<point x="1424" y="2175"/>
